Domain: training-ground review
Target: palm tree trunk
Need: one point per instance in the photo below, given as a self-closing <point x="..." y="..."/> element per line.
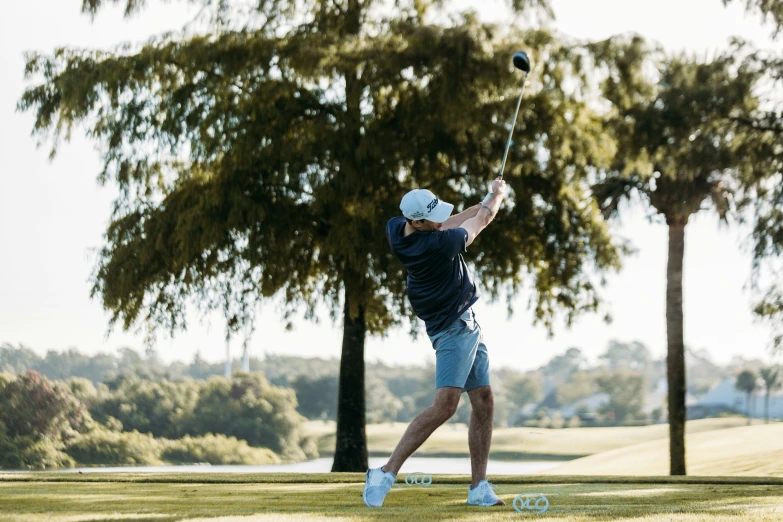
<point x="766" y="407"/>
<point x="675" y="358"/>
<point x="350" y="452"/>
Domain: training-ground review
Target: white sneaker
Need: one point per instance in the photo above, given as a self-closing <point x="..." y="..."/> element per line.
<point x="377" y="485"/>
<point x="484" y="495"/>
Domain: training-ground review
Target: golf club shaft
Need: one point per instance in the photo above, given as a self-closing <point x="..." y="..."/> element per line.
<point x="513" y="123"/>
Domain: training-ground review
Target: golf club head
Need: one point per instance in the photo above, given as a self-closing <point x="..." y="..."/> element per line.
<point x="521" y="61"/>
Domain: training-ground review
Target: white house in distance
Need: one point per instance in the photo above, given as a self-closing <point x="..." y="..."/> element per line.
<point x="727" y="395"/>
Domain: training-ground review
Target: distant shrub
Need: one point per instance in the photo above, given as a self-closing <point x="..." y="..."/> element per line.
<point x="30" y="452"/>
<point x="108" y="448"/>
<point x="309" y="445"/>
<point x="249" y="408"/>
<point x="556" y="421"/>
<point x="38" y="418"/>
<point x="216" y="449"/>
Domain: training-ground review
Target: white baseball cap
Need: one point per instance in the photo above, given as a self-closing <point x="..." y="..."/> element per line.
<point x="423" y="204"/>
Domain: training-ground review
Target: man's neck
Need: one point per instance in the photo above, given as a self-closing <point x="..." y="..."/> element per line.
<point x="408" y="230"/>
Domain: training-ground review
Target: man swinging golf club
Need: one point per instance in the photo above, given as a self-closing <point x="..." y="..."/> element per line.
<point x="430" y="242"/>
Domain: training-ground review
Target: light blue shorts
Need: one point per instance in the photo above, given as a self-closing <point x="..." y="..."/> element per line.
<point x="461" y="358"/>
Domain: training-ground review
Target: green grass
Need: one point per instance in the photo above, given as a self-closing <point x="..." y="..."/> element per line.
<point x="51" y="497"/>
<point x="748" y="451"/>
<point x="451" y="440"/>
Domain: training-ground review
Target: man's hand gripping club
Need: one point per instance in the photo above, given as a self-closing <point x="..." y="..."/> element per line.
<point x="488" y="210"/>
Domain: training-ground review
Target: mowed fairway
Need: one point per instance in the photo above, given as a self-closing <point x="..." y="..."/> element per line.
<point x="337" y="497"/>
<point x="519" y="443"/>
<point x="748" y="451"/>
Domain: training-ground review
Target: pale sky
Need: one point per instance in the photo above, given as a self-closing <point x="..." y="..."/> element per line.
<point x="53" y="215"/>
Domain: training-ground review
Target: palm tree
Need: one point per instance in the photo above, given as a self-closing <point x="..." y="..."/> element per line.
<point x="746" y="381"/>
<point x="678" y="148"/>
<point x="771" y="378"/>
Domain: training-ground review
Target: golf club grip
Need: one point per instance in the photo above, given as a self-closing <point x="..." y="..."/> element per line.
<point x="513" y="124"/>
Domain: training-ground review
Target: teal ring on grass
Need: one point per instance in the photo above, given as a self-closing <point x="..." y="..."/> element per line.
<point x="524" y="503"/>
<point x="419" y="478"/>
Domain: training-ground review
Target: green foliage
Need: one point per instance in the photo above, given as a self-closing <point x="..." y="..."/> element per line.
<point x="680" y="140"/>
<point x="317" y="397"/>
<point x="37" y="418"/>
<point x="264" y="142"/>
<point x="522" y="389"/>
<point x="382" y="405"/>
<point x="17" y="359"/>
<point x="101" y="447"/>
<point x="32" y="405"/>
<point x="159" y="408"/>
<point x="217" y="450"/>
<point x="31" y="452"/>
<point x="772" y="9"/>
<point x="771" y="377"/>
<point x="249" y="408"/>
<point x="44" y="425"/>
<point x="113" y="369"/>
<point x="246" y="407"/>
<point x="560" y="368"/>
<point x="81" y="388"/>
<point x="765" y="195"/>
<point x="578" y="386"/>
<point x="71" y="363"/>
<point x="61" y="365"/>
<point x="767" y="250"/>
<point x="285" y="370"/>
<point x="747" y="381"/>
<point x="626" y="390"/>
<point x="626" y="356"/>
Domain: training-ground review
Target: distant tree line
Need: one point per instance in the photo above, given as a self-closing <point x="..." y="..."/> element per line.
<point x="142" y="393"/>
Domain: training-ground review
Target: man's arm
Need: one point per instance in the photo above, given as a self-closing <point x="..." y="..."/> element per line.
<point x="457" y="220"/>
<point x="487" y="211"/>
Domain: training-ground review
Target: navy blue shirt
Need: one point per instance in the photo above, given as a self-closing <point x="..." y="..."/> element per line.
<point x="440" y="286"/>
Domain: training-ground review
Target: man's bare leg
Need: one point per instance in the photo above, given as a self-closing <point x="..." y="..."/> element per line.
<point x="425" y="423"/>
<point x="480" y="431"/>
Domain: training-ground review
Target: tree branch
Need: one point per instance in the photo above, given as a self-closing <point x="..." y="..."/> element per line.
<point x="755" y="125"/>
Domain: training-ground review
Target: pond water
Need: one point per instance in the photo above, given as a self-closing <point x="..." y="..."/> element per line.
<point x="449" y="466"/>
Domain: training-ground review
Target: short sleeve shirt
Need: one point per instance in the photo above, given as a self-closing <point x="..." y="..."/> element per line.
<point x="440" y="286"/>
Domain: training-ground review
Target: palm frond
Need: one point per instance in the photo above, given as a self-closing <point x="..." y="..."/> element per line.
<point x="611" y="191"/>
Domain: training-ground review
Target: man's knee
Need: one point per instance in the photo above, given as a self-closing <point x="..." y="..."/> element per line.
<point x="482" y="399"/>
<point x="446" y="402"/>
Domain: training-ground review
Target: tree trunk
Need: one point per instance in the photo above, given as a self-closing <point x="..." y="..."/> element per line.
<point x="766" y="407"/>
<point x="350" y="452"/>
<point x="675" y="358"/>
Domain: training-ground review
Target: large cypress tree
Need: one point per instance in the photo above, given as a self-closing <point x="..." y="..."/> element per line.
<point x="267" y="156"/>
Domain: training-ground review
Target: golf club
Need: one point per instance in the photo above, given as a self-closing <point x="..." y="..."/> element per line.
<point x="521" y="62"/>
